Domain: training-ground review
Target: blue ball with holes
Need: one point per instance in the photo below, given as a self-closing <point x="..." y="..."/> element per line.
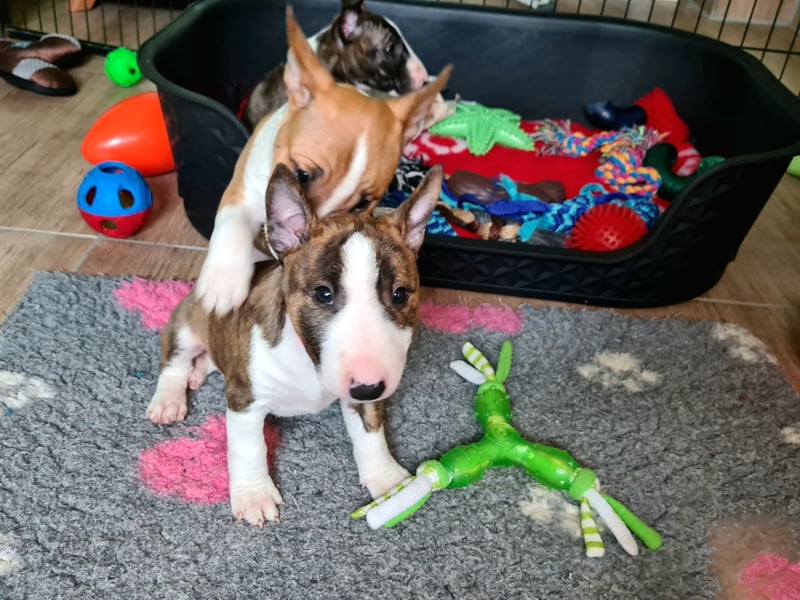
<point x="114" y="199"/>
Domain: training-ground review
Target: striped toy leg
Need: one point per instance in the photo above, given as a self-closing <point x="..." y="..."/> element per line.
<point x="591" y="535"/>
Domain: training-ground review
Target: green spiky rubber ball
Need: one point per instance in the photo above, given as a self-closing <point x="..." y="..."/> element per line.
<point x="122" y="68"/>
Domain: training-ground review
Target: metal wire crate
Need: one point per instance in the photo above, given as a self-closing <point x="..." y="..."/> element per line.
<point x="101" y="25"/>
<point x="768" y="29"/>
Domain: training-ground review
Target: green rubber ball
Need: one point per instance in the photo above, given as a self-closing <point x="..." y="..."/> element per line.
<point x="122" y="68"/>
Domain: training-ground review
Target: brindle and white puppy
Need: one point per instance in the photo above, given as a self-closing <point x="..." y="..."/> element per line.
<point x="359" y="48"/>
<point x="332" y="318"/>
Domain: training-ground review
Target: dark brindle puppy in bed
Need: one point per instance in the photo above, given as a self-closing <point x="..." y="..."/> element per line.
<point x="359" y="48"/>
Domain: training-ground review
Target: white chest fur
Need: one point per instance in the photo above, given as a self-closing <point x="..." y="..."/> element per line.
<point x="259" y="164"/>
<point x="285" y="382"/>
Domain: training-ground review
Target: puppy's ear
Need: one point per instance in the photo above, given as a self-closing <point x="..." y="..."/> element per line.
<point x="354" y="5"/>
<point x="347" y="24"/>
<point x="412" y="216"/>
<point x="289" y="217"/>
<point x="412" y="108"/>
<point x="304" y="74"/>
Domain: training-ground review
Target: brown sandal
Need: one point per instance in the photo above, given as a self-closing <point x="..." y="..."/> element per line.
<point x="61" y="50"/>
<point x="36" y="75"/>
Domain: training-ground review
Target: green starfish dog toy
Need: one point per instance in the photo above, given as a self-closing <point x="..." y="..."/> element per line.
<point x="482" y="127"/>
<point x="503" y="446"/>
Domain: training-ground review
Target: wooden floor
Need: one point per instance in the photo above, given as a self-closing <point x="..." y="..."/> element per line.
<point x="40" y="228"/>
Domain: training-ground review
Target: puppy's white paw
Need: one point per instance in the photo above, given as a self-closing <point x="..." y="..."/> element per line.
<point x="223" y="285"/>
<point x="384" y="478"/>
<point x="167" y="407"/>
<point x="440" y="109"/>
<point x="256" y="503"/>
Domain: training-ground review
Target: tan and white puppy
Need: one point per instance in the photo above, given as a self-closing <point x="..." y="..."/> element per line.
<point x="343" y="145"/>
<point x="332" y="318"/>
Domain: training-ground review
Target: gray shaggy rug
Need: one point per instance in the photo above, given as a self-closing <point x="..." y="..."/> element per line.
<point x="691" y="425"/>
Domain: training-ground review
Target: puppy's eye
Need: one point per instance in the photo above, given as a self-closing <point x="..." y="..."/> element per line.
<point x="302" y="176"/>
<point x="389" y="48"/>
<point x="324" y="295"/>
<point x="363" y="204"/>
<point x="400" y="297"/>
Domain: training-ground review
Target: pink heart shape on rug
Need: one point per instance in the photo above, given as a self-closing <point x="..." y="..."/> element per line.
<point x="195" y="468"/>
<point x="458" y="319"/>
<point x="155" y="300"/>
<point x="772" y="577"/>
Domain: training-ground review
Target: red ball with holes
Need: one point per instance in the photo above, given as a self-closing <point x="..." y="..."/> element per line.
<point x="114" y="199"/>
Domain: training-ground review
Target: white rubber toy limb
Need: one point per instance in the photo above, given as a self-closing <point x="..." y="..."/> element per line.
<point x="391" y="506"/>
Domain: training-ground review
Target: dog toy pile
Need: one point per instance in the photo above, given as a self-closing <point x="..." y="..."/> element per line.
<point x="503" y="446"/>
<point x="522" y="216"/>
<point x="637" y="159"/>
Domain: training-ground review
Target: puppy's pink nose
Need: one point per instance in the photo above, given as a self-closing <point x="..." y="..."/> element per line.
<point x="366" y="391"/>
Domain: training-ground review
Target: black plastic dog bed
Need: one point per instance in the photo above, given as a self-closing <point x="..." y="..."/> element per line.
<point x="539" y="66"/>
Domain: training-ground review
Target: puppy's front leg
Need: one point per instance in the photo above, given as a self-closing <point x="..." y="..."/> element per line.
<point x="224" y="280"/>
<point x="377" y="469"/>
<point x="254" y="496"/>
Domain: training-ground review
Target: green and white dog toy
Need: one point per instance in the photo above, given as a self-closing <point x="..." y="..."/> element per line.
<point x="503" y="446"/>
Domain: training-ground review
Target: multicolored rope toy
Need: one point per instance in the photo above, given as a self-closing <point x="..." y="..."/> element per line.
<point x="621" y="153"/>
<point x="503" y="446"/>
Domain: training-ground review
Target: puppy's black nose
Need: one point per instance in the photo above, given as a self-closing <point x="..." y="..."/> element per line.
<point x="363" y="391"/>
